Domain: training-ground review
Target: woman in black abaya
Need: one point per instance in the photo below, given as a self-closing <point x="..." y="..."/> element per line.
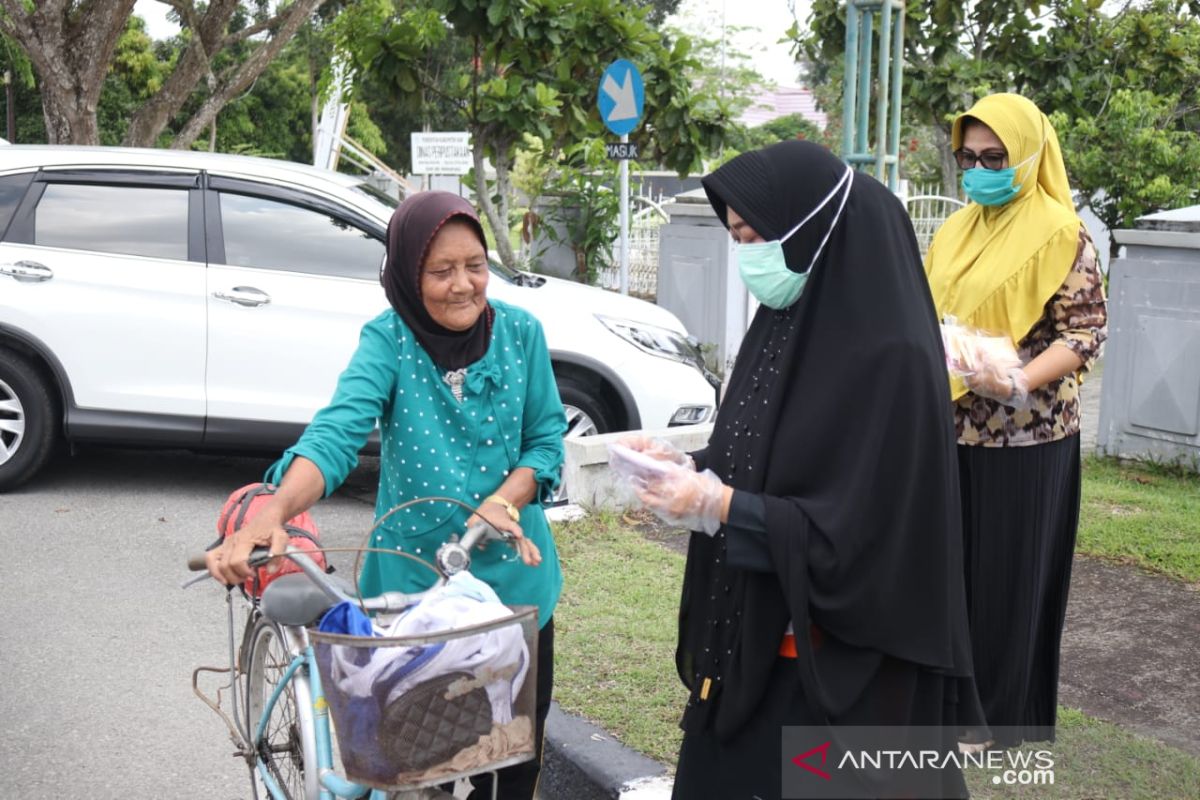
<point x="826" y="503"/>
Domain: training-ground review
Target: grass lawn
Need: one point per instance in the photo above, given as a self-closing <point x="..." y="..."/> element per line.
<point x="614" y="654"/>
<point x="616" y="633"/>
<point x="1141" y="514"/>
<point x="1095" y="760"/>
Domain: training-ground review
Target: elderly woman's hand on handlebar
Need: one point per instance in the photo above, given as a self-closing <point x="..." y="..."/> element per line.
<point x="496" y="514"/>
<point x="228" y="563"/>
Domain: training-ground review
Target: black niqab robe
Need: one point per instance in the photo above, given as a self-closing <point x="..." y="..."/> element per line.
<point x="838" y="414"/>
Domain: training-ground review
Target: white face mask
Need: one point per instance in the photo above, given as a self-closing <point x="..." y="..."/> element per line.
<point x="763" y="267"/>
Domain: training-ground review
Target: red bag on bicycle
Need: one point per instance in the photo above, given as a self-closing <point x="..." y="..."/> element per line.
<point x="241" y="507"/>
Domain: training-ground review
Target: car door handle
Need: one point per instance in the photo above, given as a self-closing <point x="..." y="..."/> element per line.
<point x="244" y="296"/>
<point x="27" y="271"/>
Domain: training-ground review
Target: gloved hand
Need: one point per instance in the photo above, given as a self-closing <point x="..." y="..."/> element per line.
<point x="1010" y="386"/>
<point x="684" y="497"/>
<point x="657" y="448"/>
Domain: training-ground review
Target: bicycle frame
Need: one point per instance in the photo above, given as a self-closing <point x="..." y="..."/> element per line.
<point x="332" y="785"/>
<point x="452" y="557"/>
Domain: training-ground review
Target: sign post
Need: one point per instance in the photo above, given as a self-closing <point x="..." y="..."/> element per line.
<point x="621" y="99"/>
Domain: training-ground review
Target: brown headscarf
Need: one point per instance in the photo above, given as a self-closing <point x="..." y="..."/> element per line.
<point x="413" y="225"/>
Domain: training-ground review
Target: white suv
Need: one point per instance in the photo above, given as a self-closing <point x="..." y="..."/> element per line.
<point x="179" y="299"/>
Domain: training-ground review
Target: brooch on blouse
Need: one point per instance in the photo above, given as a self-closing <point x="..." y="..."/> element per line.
<point x="454" y="379"/>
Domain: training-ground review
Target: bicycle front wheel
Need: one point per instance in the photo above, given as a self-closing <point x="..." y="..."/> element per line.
<point x="287" y="749"/>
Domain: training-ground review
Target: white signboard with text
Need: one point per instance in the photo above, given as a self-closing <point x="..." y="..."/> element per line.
<point x="443" y="153"/>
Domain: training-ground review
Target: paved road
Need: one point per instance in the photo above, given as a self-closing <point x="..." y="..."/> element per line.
<point x="1130" y="650"/>
<point x="98" y="643"/>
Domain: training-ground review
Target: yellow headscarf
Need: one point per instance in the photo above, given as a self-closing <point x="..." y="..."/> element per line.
<point x="994" y="267"/>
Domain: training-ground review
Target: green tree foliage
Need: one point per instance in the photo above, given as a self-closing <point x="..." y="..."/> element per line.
<point x="1125" y="92"/>
<point x="587" y="209"/>
<point x="791" y="126"/>
<point x="1131" y="157"/>
<point x="273" y="118"/>
<point x="27" y="107"/>
<point x="507" y="69"/>
<point x="1123" y="87"/>
<point x="72" y="46"/>
<point x="954" y="51"/>
<point x="657" y="11"/>
<point x="17" y="74"/>
<point x="135" y="75"/>
<point x="722" y="64"/>
<point x="404" y="67"/>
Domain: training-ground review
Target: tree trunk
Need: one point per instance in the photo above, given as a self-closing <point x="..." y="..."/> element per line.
<point x="70" y="45"/>
<point x="193" y="66"/>
<point x="236" y="81"/>
<point x="941" y="138"/>
<point x="210" y="38"/>
<point x="67" y="122"/>
<point x="483" y="198"/>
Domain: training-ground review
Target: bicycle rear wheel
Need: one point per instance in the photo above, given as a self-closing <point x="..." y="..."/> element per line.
<point x="288" y="747"/>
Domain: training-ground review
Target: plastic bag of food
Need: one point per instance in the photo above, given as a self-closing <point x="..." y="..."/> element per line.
<point x="970" y="351"/>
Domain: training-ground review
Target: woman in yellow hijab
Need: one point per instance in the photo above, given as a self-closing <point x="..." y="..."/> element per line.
<point x="1018" y="262"/>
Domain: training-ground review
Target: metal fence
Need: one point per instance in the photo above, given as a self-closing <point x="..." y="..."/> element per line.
<point x="928" y="210"/>
<point x="646" y="217"/>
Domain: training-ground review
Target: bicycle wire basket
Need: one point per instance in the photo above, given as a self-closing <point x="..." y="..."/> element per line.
<point x="416" y="711"/>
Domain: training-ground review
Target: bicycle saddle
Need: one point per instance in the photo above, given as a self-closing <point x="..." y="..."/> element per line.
<point x="295" y="600"/>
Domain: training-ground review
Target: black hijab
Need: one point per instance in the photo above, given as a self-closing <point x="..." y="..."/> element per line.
<point x="413" y="225"/>
<point x="838" y="413"/>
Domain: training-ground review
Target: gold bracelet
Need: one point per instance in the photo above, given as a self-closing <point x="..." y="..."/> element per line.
<point x="513" y="513"/>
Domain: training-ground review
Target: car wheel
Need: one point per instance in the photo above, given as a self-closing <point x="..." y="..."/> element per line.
<point x="586" y="416"/>
<point x="28" y="427"/>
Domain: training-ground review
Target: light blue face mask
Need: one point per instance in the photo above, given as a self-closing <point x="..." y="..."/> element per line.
<point x="764" y="269"/>
<point x="993" y="187"/>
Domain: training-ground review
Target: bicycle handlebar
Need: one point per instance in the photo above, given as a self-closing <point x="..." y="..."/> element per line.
<point x="258" y="556"/>
<point x="451" y="558"/>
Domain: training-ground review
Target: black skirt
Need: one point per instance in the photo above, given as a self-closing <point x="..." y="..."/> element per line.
<point x="749" y="765"/>
<point x="1020" y="516"/>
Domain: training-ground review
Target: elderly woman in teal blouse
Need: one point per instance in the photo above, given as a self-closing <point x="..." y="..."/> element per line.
<point x="464" y="396"/>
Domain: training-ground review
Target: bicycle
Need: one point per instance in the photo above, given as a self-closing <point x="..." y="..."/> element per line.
<point x="279" y="718"/>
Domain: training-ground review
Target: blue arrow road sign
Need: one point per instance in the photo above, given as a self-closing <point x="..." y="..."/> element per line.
<point x="622" y="97"/>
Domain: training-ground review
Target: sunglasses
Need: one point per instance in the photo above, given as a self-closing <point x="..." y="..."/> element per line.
<point x="989" y="159"/>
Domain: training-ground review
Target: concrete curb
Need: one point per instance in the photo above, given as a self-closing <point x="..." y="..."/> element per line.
<point x="583" y="762"/>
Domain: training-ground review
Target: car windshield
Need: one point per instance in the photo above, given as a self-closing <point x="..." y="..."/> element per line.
<point x="497" y="267"/>
<point x="375" y="193"/>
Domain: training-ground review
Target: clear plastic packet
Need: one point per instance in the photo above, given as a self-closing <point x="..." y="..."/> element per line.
<point x="635" y="467"/>
<point x="970" y="351"/>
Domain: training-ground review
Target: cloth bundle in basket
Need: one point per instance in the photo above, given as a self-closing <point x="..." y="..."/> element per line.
<point x="408" y="709"/>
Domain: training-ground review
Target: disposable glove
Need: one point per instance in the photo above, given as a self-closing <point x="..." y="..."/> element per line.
<point x="657" y="448"/>
<point x="1010" y="387"/>
<point x="684" y="497"/>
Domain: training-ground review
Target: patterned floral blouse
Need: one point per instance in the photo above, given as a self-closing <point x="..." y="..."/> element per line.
<point x="1076" y="317"/>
